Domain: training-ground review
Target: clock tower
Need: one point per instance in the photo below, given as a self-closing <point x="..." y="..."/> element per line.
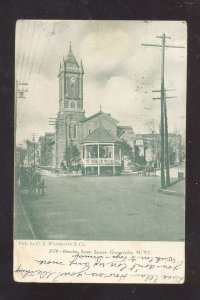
<point x="71" y="111"/>
<point x="70" y="84"/>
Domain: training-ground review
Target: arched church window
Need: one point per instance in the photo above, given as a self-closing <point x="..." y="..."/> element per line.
<point x="72" y="105"/>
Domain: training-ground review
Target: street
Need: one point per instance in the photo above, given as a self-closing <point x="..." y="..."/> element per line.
<point x="101" y="208"/>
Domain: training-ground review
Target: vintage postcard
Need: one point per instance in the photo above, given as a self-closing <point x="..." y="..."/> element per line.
<point x="100" y="114"/>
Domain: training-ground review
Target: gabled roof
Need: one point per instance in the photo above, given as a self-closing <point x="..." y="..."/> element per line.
<point x="125" y="127"/>
<point x="98" y="114"/>
<point x="122" y="129"/>
<point x="100" y="135"/>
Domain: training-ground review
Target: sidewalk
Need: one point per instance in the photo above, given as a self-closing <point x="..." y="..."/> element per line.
<point x="177" y="188"/>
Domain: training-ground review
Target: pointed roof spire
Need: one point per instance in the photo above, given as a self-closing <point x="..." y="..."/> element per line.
<point x="61" y="67"/>
<point x="71" y="62"/>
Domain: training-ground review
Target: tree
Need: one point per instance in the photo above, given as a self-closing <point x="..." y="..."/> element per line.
<point x="72" y="154"/>
<point x="126" y="150"/>
<point x="21" y="154"/>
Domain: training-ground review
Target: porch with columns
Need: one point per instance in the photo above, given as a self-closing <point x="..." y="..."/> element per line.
<point x="101" y="158"/>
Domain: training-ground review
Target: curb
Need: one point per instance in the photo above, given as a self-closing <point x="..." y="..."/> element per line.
<point x="171" y="193"/>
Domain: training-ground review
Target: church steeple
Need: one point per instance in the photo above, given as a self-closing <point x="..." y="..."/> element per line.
<point x="70" y="61"/>
<point x="71" y="83"/>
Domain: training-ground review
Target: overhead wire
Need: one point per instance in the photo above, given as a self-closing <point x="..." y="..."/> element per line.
<point x="42" y="60"/>
<point x="35" y="47"/>
<point x="40" y="65"/>
<point x="29" y="50"/>
<point x="18" y="43"/>
<point x="24" y="52"/>
<point x="34" y="54"/>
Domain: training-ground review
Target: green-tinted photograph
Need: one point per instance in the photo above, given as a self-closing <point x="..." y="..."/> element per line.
<point x="100" y="114"/>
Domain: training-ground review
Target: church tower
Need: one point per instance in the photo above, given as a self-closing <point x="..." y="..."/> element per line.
<point x="71" y="110"/>
<point x="70" y="84"/>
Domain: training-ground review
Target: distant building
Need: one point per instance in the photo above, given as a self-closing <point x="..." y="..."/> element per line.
<point x="20" y="155"/>
<point x="32" y="157"/>
<point x="46" y="149"/>
<point x="148" y="146"/>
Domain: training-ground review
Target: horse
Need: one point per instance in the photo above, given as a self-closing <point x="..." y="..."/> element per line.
<point x="150" y="170"/>
<point x="36" y="185"/>
<point x="76" y="168"/>
<point x="141" y="170"/>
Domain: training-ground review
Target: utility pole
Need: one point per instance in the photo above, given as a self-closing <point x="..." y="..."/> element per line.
<point x="162" y="129"/>
<point x="31" y="148"/>
<point x="34" y="151"/>
<point x="33" y="135"/>
<point x="166" y="135"/>
<point x="19" y="92"/>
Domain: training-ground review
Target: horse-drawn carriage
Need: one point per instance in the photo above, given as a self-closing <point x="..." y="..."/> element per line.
<point x="30" y="180"/>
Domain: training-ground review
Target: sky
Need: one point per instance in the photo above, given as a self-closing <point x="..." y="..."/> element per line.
<point x="120" y="73"/>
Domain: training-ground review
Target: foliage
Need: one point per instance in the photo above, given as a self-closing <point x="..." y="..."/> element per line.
<point x="71" y="154"/>
<point x="126" y="150"/>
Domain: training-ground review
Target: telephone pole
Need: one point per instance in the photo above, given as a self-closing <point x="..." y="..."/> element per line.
<point x="19" y="92"/>
<point x="166" y="144"/>
<point x="163" y="45"/>
<point x="31" y="149"/>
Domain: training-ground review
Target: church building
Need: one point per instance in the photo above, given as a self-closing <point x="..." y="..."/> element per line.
<point x="95" y="137"/>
